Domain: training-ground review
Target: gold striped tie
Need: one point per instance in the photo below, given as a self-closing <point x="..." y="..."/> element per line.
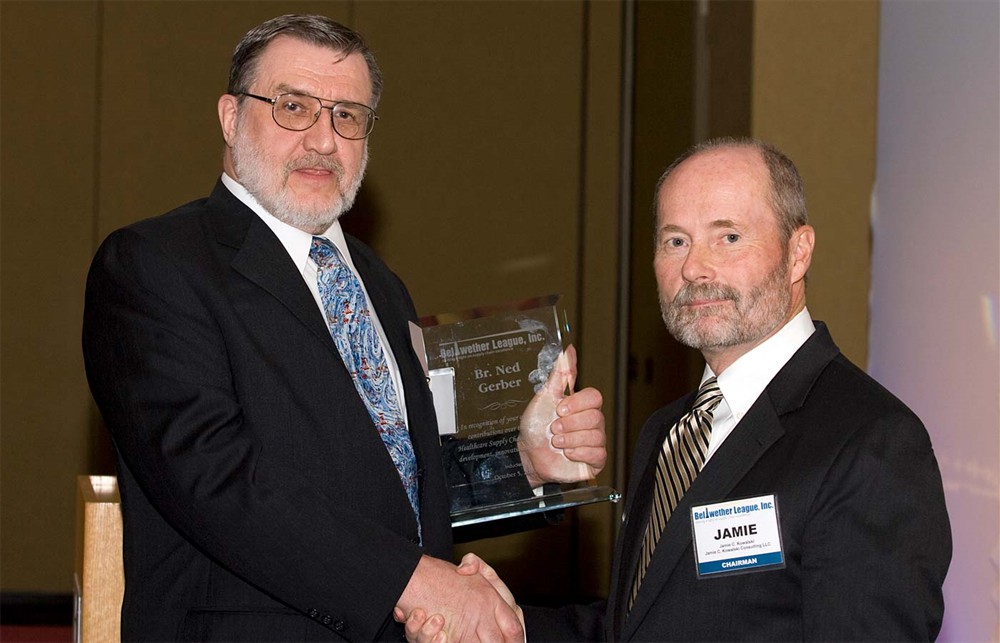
<point x="681" y="458"/>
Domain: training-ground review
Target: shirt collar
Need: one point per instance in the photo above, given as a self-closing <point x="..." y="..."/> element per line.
<point x="296" y="242"/>
<point x="746" y="378"/>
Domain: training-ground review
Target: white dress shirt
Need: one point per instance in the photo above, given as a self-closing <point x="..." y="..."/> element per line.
<point x="746" y="378"/>
<point x="297" y="244"/>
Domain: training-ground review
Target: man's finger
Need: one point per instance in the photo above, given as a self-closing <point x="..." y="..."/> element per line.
<point x="471" y="565"/>
<point x="588" y="398"/>
<point x="584" y="429"/>
<point x="593" y="457"/>
<point x="414" y="622"/>
<point x="508" y="625"/>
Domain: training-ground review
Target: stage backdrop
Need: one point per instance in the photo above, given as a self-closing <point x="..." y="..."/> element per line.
<point x="935" y="270"/>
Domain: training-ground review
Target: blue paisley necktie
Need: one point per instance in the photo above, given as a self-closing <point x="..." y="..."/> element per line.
<point x="354" y="332"/>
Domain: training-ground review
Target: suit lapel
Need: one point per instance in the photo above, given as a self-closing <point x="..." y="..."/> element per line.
<point x="750" y="439"/>
<point x="259" y="256"/>
<point x="389" y="314"/>
<point x="393" y="317"/>
<point x="638" y="500"/>
<point x="394" y="314"/>
<point x="262" y="259"/>
<point x="758" y="430"/>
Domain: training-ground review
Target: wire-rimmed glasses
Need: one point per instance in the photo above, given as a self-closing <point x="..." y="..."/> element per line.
<point x="298" y="112"/>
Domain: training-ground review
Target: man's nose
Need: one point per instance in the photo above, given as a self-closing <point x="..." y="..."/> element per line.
<point x="699" y="264"/>
<point x="321" y="137"/>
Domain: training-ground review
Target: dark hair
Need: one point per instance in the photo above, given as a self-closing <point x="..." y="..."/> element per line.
<point x="318" y="30"/>
<point x="787" y="194"/>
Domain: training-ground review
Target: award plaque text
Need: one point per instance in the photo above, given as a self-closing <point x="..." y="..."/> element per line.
<point x="485" y="366"/>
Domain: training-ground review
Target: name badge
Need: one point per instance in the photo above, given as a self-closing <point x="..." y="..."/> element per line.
<point x="737" y="536"/>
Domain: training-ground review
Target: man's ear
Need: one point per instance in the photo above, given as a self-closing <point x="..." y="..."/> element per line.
<point x="800" y="251"/>
<point x="228" y="107"/>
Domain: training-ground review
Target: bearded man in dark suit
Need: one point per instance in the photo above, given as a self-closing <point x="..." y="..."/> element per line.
<point x="278" y="456"/>
<point x="792" y="497"/>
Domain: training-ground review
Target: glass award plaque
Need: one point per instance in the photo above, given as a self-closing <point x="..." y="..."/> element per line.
<point x="496" y="374"/>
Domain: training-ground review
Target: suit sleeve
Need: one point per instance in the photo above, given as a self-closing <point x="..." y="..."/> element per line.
<point x="878" y="542"/>
<point x="570" y="624"/>
<point x="159" y="369"/>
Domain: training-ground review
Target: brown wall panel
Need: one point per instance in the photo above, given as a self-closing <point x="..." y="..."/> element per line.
<point x="475" y="162"/>
<point x="659" y="368"/>
<point x="597" y="330"/>
<point x="164" y="66"/>
<point x="48" y="128"/>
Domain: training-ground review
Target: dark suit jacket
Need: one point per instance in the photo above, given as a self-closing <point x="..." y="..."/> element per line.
<point x="865" y="532"/>
<point x="259" y="502"/>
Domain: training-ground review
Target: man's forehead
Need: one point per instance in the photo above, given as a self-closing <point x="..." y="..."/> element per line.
<point x="717" y="175"/>
<point x="287" y="52"/>
<point x="730" y="188"/>
<point x="736" y="165"/>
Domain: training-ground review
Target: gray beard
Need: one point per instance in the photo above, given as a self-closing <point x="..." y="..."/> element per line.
<point x="254" y="176"/>
<point x="752" y="317"/>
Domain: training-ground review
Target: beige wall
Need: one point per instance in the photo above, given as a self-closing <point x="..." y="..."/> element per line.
<point x="815" y="94"/>
<point x="494" y="175"/>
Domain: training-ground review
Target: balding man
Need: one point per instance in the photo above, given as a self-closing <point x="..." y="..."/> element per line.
<point x="791" y="497"/>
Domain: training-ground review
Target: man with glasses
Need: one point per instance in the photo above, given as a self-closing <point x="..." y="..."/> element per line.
<point x="278" y="458"/>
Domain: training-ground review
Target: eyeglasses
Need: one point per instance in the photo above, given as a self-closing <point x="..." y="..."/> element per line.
<point x="299" y="112"/>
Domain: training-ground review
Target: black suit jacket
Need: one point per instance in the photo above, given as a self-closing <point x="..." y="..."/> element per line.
<point x="259" y="502"/>
<point x="865" y="532"/>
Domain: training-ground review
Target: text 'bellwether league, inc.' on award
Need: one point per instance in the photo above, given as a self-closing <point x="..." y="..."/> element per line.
<point x="497" y="374"/>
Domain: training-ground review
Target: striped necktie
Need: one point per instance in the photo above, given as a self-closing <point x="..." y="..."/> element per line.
<point x="354" y="332"/>
<point x="681" y="459"/>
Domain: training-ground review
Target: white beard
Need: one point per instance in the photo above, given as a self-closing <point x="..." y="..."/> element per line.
<point x="271" y="190"/>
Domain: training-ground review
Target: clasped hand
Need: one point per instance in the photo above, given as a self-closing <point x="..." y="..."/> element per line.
<point x="501" y="620"/>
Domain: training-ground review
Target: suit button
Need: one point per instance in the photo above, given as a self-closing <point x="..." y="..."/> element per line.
<point x="313" y="613"/>
<point x="415" y="540"/>
<point x="326" y="619"/>
<point x="339" y="626"/>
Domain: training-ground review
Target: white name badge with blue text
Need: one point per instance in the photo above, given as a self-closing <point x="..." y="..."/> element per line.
<point x="737" y="536"/>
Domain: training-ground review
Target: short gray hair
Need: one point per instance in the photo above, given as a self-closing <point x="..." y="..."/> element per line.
<point x="787" y="197"/>
<point x="314" y="29"/>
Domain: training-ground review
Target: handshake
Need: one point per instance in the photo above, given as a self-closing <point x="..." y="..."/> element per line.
<point x="470" y="602"/>
<point x="561" y="439"/>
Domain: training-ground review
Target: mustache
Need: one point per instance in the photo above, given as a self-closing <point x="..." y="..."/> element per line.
<point x="691" y="293"/>
<point x="316" y="161"/>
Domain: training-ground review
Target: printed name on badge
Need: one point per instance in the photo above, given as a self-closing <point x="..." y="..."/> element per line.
<point x="737" y="536"/>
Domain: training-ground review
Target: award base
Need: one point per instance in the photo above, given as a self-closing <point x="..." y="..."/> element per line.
<point x="534" y="505"/>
